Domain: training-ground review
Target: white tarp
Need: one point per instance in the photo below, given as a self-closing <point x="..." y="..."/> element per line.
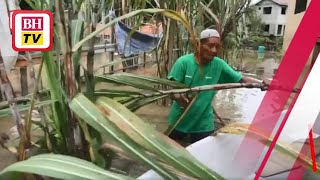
<point x="9" y="55"/>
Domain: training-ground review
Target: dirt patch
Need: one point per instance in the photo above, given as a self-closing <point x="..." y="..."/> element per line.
<point x="6" y="158"/>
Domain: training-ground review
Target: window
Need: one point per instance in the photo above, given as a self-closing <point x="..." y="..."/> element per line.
<point x="301" y="6"/>
<point x="275" y="71"/>
<point x="279" y="30"/>
<point x="267" y="28"/>
<point x="283" y="10"/>
<point x="259" y="8"/>
<point x="267" y="10"/>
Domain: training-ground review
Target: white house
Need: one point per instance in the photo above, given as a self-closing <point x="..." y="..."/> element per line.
<point x="274" y="15"/>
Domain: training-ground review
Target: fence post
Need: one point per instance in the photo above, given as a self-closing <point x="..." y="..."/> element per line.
<point x="24" y="81"/>
<point x="144" y="59"/>
<point x="111" y="54"/>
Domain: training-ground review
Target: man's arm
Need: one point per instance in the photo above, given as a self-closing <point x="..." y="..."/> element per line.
<point x="246" y="79"/>
<point x="177" y="74"/>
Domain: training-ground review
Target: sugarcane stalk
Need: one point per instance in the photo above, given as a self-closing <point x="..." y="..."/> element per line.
<point x="216" y="87"/>
<point x="174" y="125"/>
<point x="203" y="88"/>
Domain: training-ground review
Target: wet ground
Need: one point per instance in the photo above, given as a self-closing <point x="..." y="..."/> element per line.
<point x="5" y="157"/>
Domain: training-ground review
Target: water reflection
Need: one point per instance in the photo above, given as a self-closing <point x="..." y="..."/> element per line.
<point x="238" y="104"/>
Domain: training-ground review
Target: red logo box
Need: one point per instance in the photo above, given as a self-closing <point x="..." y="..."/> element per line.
<point x="32" y="30"/>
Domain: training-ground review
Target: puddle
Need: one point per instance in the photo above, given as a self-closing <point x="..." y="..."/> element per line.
<point x="238" y="104"/>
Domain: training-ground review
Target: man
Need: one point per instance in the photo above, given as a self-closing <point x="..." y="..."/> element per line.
<point x="198" y="121"/>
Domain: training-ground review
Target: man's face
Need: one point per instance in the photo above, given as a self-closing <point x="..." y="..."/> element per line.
<point x="209" y="49"/>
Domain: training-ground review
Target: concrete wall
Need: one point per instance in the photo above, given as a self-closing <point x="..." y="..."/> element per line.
<point x="274" y="19"/>
<point x="292" y="24"/>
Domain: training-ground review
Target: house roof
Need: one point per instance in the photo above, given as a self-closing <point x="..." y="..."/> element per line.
<point x="279" y="2"/>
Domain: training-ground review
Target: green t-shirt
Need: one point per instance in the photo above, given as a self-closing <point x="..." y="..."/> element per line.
<point x="199" y="118"/>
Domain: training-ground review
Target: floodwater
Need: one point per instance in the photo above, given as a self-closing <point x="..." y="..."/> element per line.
<point x="238" y="104"/>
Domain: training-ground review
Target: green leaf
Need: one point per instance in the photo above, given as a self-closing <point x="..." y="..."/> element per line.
<point x="77" y="29"/>
<point x="140" y="82"/>
<point x="94" y="144"/>
<point x="89" y="113"/>
<point x="210" y="12"/>
<point x="125" y="81"/>
<point x="153" y="141"/>
<point x="166" y="12"/>
<point x="155" y="80"/>
<point x="7" y="112"/>
<point x="116" y="93"/>
<point x="32" y="4"/>
<point x="5" y="104"/>
<point x="61" y="167"/>
<point x="126" y="100"/>
<point x="135" y="105"/>
<point x="59" y="112"/>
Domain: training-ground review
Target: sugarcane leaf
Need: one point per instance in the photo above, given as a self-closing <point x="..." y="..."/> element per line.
<point x="24" y="107"/>
<point x="125" y="81"/>
<point x="94" y="144"/>
<point x="126" y="100"/>
<point x="210" y="12"/>
<point x="150" y="79"/>
<point x="61" y="167"/>
<point x="141" y="82"/>
<point x="166" y="12"/>
<point x="153" y="141"/>
<point x="135" y="105"/>
<point x="116" y="93"/>
<point x="93" y="116"/>
<point x="77" y="29"/>
<point x="59" y="111"/>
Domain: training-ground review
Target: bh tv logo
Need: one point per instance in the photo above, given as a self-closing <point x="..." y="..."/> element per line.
<point x="32" y="30"/>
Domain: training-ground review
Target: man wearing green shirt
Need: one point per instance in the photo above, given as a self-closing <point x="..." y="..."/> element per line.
<point x="198" y="121"/>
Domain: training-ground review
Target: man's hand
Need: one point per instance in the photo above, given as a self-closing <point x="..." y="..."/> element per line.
<point x="182" y="100"/>
<point x="266" y="85"/>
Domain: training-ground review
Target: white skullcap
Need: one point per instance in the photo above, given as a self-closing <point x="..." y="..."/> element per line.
<point x="209" y="33"/>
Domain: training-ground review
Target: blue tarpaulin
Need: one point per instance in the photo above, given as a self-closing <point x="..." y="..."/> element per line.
<point x="137" y="43"/>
